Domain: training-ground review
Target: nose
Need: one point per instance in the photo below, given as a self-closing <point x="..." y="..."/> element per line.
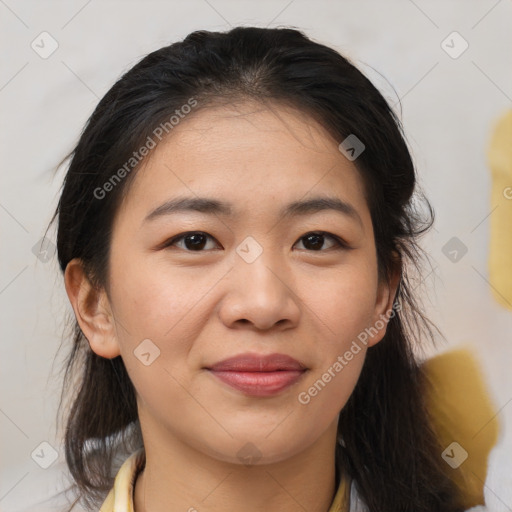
<point x="260" y="294"/>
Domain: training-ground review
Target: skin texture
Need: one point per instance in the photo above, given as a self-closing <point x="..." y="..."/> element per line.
<point x="198" y="308"/>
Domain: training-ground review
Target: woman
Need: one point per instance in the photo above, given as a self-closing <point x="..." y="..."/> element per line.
<point x="236" y="231"/>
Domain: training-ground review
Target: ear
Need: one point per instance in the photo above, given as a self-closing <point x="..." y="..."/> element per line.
<point x="386" y="293"/>
<point x="92" y="311"/>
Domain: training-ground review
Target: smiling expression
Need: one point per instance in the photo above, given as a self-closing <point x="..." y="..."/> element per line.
<point x="244" y="232"/>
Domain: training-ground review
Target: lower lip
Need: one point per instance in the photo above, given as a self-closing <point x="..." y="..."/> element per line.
<point x="259" y="383"/>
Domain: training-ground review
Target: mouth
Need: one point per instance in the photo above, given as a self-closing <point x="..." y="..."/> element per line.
<point x="259" y="376"/>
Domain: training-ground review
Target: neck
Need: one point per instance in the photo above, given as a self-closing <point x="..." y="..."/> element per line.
<point x="179" y="477"/>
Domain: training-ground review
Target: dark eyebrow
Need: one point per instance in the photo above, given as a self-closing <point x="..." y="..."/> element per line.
<point x="215" y="207"/>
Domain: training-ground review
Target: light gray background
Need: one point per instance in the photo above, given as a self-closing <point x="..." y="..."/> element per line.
<point x="449" y="107"/>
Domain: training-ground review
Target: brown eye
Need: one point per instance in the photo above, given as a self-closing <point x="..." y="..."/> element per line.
<point x="315" y="241"/>
<point x="193" y="241"/>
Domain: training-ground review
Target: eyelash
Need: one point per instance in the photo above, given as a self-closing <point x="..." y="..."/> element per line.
<point x="341" y="244"/>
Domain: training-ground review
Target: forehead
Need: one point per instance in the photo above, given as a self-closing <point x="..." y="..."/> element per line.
<point x="246" y="153"/>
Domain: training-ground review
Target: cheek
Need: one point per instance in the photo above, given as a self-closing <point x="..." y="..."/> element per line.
<point x="328" y="389"/>
<point x="153" y="302"/>
<point x="344" y="300"/>
<point x="345" y="306"/>
<point x="158" y="318"/>
<point x="335" y="374"/>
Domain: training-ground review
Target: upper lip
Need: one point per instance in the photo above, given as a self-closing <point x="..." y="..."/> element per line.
<point x="250" y="362"/>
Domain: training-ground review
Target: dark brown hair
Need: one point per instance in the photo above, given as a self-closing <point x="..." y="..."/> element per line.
<point x="386" y="438"/>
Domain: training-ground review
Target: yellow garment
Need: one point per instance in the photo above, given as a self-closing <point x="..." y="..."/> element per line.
<point x="462" y="412"/>
<point x="120" y="497"/>
<point x="500" y="254"/>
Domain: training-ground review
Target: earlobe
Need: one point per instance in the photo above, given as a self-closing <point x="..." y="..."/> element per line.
<point x="92" y="311"/>
<point x="386" y="295"/>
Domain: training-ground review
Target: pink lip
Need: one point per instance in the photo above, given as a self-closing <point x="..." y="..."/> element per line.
<point x="259" y="375"/>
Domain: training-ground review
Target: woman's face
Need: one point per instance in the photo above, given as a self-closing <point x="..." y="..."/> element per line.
<point x="253" y="280"/>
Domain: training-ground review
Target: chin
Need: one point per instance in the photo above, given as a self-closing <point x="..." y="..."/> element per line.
<point x="253" y="451"/>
